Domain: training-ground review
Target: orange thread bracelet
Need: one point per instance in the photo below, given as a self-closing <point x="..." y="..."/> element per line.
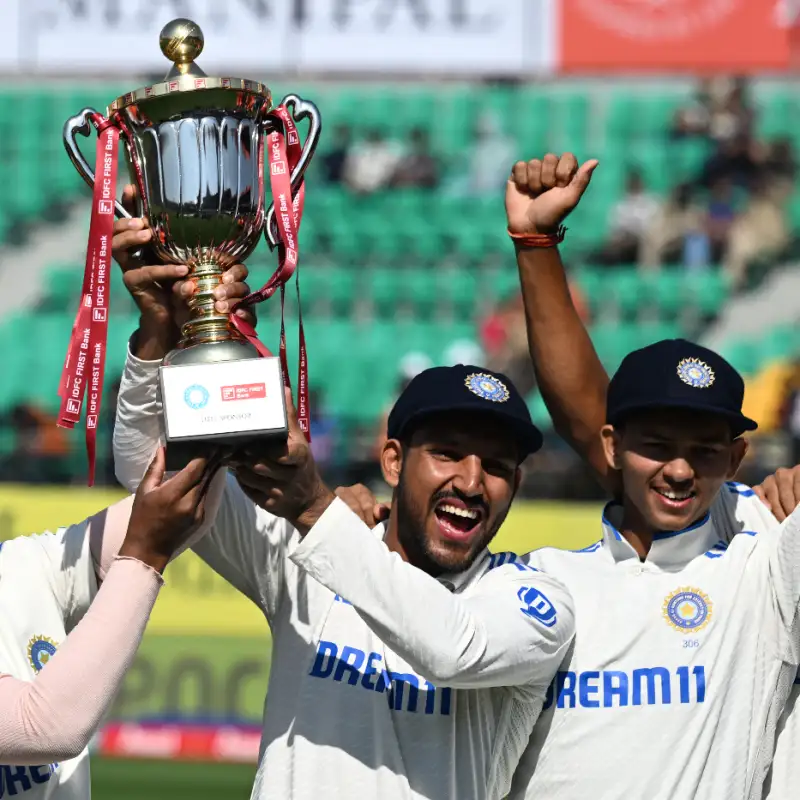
<point x="539" y="239"/>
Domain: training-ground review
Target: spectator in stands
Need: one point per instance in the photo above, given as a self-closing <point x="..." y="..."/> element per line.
<point x="370" y="165"/>
<point x="628" y="222"/>
<point x="492" y="152"/>
<point x="418" y="168"/>
<point x="720" y="111"/>
<point x="324" y="433"/>
<point x="736" y="159"/>
<point x="410" y="366"/>
<point x="505" y="342"/>
<point x="677" y="227"/>
<point x="693" y="118"/>
<point x="780" y="162"/>
<point x="761" y="232"/>
<point x="40" y="448"/>
<point x="462" y="351"/>
<point x="790" y="410"/>
<point x="333" y="162"/>
<point x="720" y="214"/>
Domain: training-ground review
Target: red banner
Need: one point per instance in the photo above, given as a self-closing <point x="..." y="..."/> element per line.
<point x="179" y="742"/>
<point x="737" y="36"/>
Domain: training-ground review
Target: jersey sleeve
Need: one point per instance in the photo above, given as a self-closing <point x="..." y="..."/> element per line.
<point x="247" y="546"/>
<point x="53" y="717"/>
<point x="241" y="542"/>
<point x="784" y="570"/>
<point x="511" y="629"/>
<point x="137" y="429"/>
<point x="64" y="559"/>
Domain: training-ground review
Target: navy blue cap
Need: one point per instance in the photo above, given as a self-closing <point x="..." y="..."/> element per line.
<point x="465" y="388"/>
<point x="675" y="373"/>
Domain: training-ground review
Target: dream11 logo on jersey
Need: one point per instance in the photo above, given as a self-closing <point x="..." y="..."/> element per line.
<point x="657" y="19"/>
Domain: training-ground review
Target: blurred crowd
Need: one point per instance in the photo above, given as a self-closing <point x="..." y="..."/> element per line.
<point x="733" y="212"/>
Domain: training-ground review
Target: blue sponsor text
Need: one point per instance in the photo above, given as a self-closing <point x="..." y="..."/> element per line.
<point x="615" y="688"/>
<point x="405" y="691"/>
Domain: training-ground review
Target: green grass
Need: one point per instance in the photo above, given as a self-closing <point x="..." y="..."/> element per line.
<point x="114" y="779"/>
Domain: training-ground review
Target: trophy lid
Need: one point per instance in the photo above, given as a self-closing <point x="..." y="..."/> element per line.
<point x="182" y="41"/>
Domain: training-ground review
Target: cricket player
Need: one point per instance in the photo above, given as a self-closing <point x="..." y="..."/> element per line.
<point x="407" y="662"/>
<point x="694" y="647"/>
<point x="65" y="646"/>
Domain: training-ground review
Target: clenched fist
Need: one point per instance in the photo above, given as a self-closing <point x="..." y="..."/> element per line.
<point x="541" y="193"/>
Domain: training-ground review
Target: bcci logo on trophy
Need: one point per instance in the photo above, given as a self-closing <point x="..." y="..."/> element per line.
<point x="105" y="207"/>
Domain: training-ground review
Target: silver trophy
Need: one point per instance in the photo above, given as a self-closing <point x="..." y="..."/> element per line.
<point x="193" y="145"/>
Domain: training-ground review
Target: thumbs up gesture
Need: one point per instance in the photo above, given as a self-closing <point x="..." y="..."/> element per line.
<point x="541" y="193"/>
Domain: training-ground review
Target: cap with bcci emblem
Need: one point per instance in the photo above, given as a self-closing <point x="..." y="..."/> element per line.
<point x="675" y="373"/>
<point x="465" y="388"/>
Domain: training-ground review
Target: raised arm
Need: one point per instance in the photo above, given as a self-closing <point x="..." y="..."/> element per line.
<point x="539" y="196"/>
<point x="53" y="717"/>
<point x="512" y="630"/>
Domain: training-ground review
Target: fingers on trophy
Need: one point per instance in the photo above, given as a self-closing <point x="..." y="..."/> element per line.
<point x="195" y="149"/>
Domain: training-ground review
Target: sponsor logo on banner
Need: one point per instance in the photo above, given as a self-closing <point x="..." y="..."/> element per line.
<point x="738" y="36"/>
<point x="451" y="36"/>
<point x="105" y="207"/>
<point x="172" y="86"/>
<point x="100" y="314"/>
<point x="676" y="19"/>
<point x="244" y="391"/>
<point x="73" y="407"/>
<point x="200" y="83"/>
<point x="91" y="421"/>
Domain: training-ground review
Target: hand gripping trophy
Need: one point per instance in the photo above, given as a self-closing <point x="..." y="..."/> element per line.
<point x="196" y="147"/>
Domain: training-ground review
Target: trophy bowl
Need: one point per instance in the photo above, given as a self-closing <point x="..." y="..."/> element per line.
<point x="194" y="145"/>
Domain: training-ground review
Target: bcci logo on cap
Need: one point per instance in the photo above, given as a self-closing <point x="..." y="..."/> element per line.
<point x="40" y="649"/>
<point x="196" y="396"/>
<point x="695" y="372"/>
<point x="687" y="609"/>
<point x="487" y="386"/>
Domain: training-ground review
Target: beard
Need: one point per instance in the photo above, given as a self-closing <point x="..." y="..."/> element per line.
<point x="411" y="533"/>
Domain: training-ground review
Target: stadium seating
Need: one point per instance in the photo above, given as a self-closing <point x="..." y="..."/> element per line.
<point x="408" y="270"/>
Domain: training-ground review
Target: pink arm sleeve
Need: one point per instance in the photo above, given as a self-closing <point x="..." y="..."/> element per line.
<point x="108" y="528"/>
<point x="53" y="717"/>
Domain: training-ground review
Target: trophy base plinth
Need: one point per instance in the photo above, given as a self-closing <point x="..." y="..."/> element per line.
<point x="213" y="400"/>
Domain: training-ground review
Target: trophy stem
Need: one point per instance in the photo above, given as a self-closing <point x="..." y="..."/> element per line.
<point x="205" y="324"/>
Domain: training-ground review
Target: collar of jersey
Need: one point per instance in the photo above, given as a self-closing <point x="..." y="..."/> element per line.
<point x="452" y="580"/>
<point x="670" y="549"/>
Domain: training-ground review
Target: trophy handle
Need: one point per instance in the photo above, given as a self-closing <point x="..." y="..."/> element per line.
<point x="300" y="109"/>
<point x="81" y="123"/>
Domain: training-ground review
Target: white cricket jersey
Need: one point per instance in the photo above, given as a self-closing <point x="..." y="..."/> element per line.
<point x="783" y="781"/>
<point x="681" y="664"/>
<point x="384" y="682"/>
<point x="46" y="585"/>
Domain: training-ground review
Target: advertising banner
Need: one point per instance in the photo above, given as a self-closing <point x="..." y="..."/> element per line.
<point x="252" y="38"/>
<point x="738" y="36"/>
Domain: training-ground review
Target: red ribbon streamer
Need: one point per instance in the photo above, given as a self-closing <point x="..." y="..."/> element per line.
<point x="85" y="363"/>
<point x="283" y="153"/>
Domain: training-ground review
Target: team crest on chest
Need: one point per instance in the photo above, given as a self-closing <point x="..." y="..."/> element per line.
<point x="40" y="650"/>
<point x="487" y="386"/>
<point x="687" y="609"/>
<point x="695" y="372"/>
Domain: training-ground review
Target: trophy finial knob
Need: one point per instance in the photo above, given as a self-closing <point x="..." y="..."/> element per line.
<point x="182" y="41"/>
